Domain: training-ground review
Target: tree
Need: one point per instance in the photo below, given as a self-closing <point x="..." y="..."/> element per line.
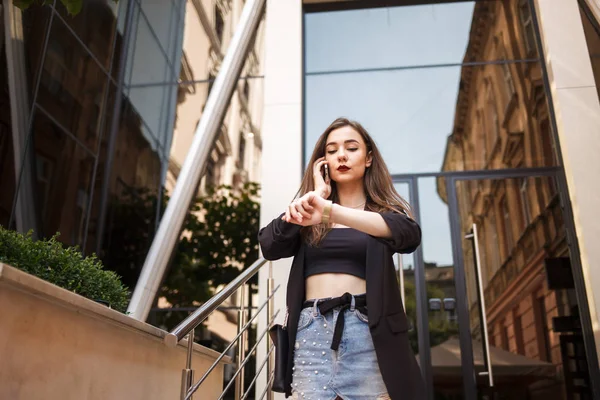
<point x="73" y="6"/>
<point x="219" y="240"/>
<point x="440" y="330"/>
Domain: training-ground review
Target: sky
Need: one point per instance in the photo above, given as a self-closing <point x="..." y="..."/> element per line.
<point x="408" y="110"/>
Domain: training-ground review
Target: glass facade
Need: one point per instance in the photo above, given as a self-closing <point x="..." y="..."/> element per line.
<point x="454" y="94"/>
<point x="114" y="96"/>
<point x="464" y="92"/>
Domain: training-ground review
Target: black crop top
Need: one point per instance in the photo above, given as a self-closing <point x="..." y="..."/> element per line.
<point x="342" y="250"/>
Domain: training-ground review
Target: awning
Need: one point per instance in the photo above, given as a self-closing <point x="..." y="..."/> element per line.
<point x="506" y="366"/>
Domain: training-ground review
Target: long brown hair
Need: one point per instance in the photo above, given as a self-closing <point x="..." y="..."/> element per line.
<point x="379" y="188"/>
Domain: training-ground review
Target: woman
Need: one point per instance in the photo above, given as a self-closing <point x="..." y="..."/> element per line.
<point x="346" y="322"/>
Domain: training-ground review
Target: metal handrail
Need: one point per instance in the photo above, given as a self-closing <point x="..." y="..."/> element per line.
<point x="224" y="352"/>
<point x="262" y="366"/>
<point x="189" y="325"/>
<point x="198" y="316"/>
<point x="246" y="360"/>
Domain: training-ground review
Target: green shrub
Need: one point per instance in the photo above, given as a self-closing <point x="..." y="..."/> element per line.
<point x="64" y="267"/>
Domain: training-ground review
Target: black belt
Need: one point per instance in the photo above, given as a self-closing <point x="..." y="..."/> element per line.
<point x="344" y="302"/>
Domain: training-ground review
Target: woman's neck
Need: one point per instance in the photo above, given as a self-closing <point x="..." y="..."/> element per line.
<point x="351" y="195"/>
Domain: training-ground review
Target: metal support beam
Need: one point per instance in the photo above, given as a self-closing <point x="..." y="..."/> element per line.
<point x="194" y="164"/>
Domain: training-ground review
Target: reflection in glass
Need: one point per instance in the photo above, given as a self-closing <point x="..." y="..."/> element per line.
<point x="447" y="118"/>
<point x="62" y="172"/>
<point x="441" y="293"/>
<point x="430" y="34"/>
<point x="165" y="20"/>
<point x="133" y="196"/>
<point x="7" y="159"/>
<point x="95" y="26"/>
<point x="35" y="29"/>
<point x="530" y="306"/>
<point x="147" y="61"/>
<point x="72" y="86"/>
<point x="153" y="105"/>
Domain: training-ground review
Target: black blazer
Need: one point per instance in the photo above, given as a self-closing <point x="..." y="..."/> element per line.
<point x="387" y="321"/>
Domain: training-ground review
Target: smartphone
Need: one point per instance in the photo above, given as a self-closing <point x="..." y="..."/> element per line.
<point x="326" y="172"/>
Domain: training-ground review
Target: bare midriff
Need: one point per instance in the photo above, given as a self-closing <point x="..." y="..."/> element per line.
<point x="333" y="285"/>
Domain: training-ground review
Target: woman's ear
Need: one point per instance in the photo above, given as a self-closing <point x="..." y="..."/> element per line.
<point x="369" y="159"/>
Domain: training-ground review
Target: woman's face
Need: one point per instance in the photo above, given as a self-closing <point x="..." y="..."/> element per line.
<point x="346" y="154"/>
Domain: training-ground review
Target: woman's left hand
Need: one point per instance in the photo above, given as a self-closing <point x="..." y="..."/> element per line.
<point x="310" y="201"/>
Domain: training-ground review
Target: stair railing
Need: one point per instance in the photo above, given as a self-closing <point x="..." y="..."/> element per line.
<point x="188" y="326"/>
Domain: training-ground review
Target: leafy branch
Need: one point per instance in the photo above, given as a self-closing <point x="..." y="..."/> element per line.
<point x="73" y="6"/>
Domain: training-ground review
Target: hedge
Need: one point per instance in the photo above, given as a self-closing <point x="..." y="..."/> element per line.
<point x="63" y="266"/>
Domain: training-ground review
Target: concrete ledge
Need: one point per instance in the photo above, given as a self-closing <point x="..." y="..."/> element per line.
<point x="56" y="344"/>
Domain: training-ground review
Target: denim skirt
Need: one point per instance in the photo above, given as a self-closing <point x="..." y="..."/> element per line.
<point x="351" y="372"/>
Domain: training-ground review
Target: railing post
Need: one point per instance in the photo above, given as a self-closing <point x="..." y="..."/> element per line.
<point x="270" y="304"/>
<point x="239" y="381"/>
<point x="187" y="375"/>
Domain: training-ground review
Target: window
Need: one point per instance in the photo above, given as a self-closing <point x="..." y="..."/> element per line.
<point x="246" y="90"/>
<point x="541" y="326"/>
<point x="211" y="81"/>
<point x="527" y="27"/>
<point x="211" y="175"/>
<point x="44" y="172"/>
<point x="493" y="120"/>
<point x="506" y="222"/>
<point x="509" y="85"/>
<point x="242" y="151"/>
<point x="493" y="237"/>
<point x="486" y="273"/>
<point x="525" y="206"/>
<point x="219" y="23"/>
<point x="504" y="335"/>
<point x="518" y="328"/>
<point x="482" y="139"/>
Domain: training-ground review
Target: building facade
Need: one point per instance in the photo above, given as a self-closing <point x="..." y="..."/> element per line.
<point x="99" y="111"/>
<point x="486" y="113"/>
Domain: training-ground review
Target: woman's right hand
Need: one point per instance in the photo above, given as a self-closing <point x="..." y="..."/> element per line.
<point x="298" y="211"/>
<point x="322" y="186"/>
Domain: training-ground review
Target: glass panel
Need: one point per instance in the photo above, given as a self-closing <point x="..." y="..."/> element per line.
<point x="153" y="105"/>
<point x="72" y="86"/>
<point x="172" y="38"/>
<point x="441" y="292"/>
<point x="62" y="172"/>
<point x="133" y="192"/>
<point x="7" y="159"/>
<point x="7" y="172"/>
<point x="147" y="61"/>
<point x="95" y="26"/>
<point x="530" y="306"/>
<point x="35" y="29"/>
<point x="428" y="34"/>
<point x="441" y="119"/>
<point x="91" y="240"/>
<point x="164" y="18"/>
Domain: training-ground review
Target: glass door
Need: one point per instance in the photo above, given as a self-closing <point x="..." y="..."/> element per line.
<point x="520" y="333"/>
